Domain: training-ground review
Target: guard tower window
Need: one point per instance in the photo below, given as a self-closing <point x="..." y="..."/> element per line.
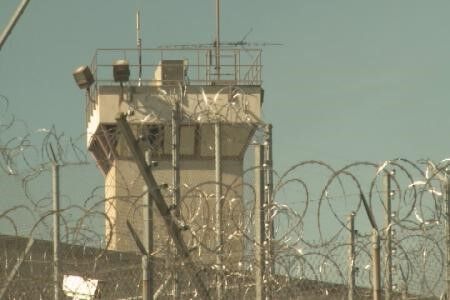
<point x="153" y="136"/>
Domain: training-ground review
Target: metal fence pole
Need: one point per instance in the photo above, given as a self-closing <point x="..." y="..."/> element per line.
<point x="176" y="183"/>
<point x="351" y="256"/>
<point x="145" y="278"/>
<point x="447" y="225"/>
<point x="259" y="223"/>
<point x="376" y="273"/>
<point x="148" y="281"/>
<point x="270" y="234"/>
<point x="388" y="231"/>
<point x="56" y="235"/>
<point x="218" y="216"/>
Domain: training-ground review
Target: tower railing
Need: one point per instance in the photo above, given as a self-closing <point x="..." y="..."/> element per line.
<point x="237" y="67"/>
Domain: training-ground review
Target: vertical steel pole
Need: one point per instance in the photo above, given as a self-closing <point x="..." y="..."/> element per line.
<point x="56" y="235"/>
<point x="259" y="223"/>
<point x="376" y="274"/>
<point x="447" y="225"/>
<point x="218" y="216"/>
<point x="388" y="231"/>
<point x="351" y="256"/>
<point x="145" y="277"/>
<point x="176" y="183"/>
<point x="269" y="226"/>
<point x="148" y="284"/>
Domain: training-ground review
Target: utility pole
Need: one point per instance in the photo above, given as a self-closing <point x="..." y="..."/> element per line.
<point x="170" y="222"/>
<point x="219" y="204"/>
<point x="388" y="232"/>
<point x="259" y="219"/>
<point x="351" y="256"/>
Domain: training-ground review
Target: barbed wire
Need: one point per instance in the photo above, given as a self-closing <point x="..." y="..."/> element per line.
<point x="309" y="210"/>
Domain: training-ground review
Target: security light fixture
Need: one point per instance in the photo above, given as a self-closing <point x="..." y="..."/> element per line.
<point x="83" y="77"/>
<point x="121" y="70"/>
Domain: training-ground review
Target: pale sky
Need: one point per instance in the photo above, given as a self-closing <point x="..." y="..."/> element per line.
<point x="354" y="79"/>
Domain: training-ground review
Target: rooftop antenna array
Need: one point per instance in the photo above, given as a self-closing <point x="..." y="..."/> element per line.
<point x="139" y="44"/>
<point x="217" y="43"/>
<point x="238" y="43"/>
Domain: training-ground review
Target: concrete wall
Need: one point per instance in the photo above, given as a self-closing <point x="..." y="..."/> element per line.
<point x="124" y="192"/>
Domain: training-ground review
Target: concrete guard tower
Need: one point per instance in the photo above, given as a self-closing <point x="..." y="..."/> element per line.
<point x="196" y="119"/>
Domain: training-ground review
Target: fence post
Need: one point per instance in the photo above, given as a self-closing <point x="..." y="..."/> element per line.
<point x="268" y="166"/>
<point x="176" y="183"/>
<point x="56" y="235"/>
<point x="376" y="274"/>
<point x="259" y="223"/>
<point x="447" y="225"/>
<point x="351" y="257"/>
<point x="388" y="234"/>
<point x="219" y="233"/>
<point x="146" y="294"/>
<point x="148" y="281"/>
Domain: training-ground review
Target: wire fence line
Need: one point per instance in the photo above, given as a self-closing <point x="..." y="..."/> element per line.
<point x="317" y="224"/>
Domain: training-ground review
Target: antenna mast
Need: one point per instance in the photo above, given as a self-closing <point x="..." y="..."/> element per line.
<point x="139" y="44"/>
<point x="217" y="43"/>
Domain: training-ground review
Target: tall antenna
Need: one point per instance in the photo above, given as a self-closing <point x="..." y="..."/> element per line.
<point x="139" y="44"/>
<point x="217" y="43"/>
